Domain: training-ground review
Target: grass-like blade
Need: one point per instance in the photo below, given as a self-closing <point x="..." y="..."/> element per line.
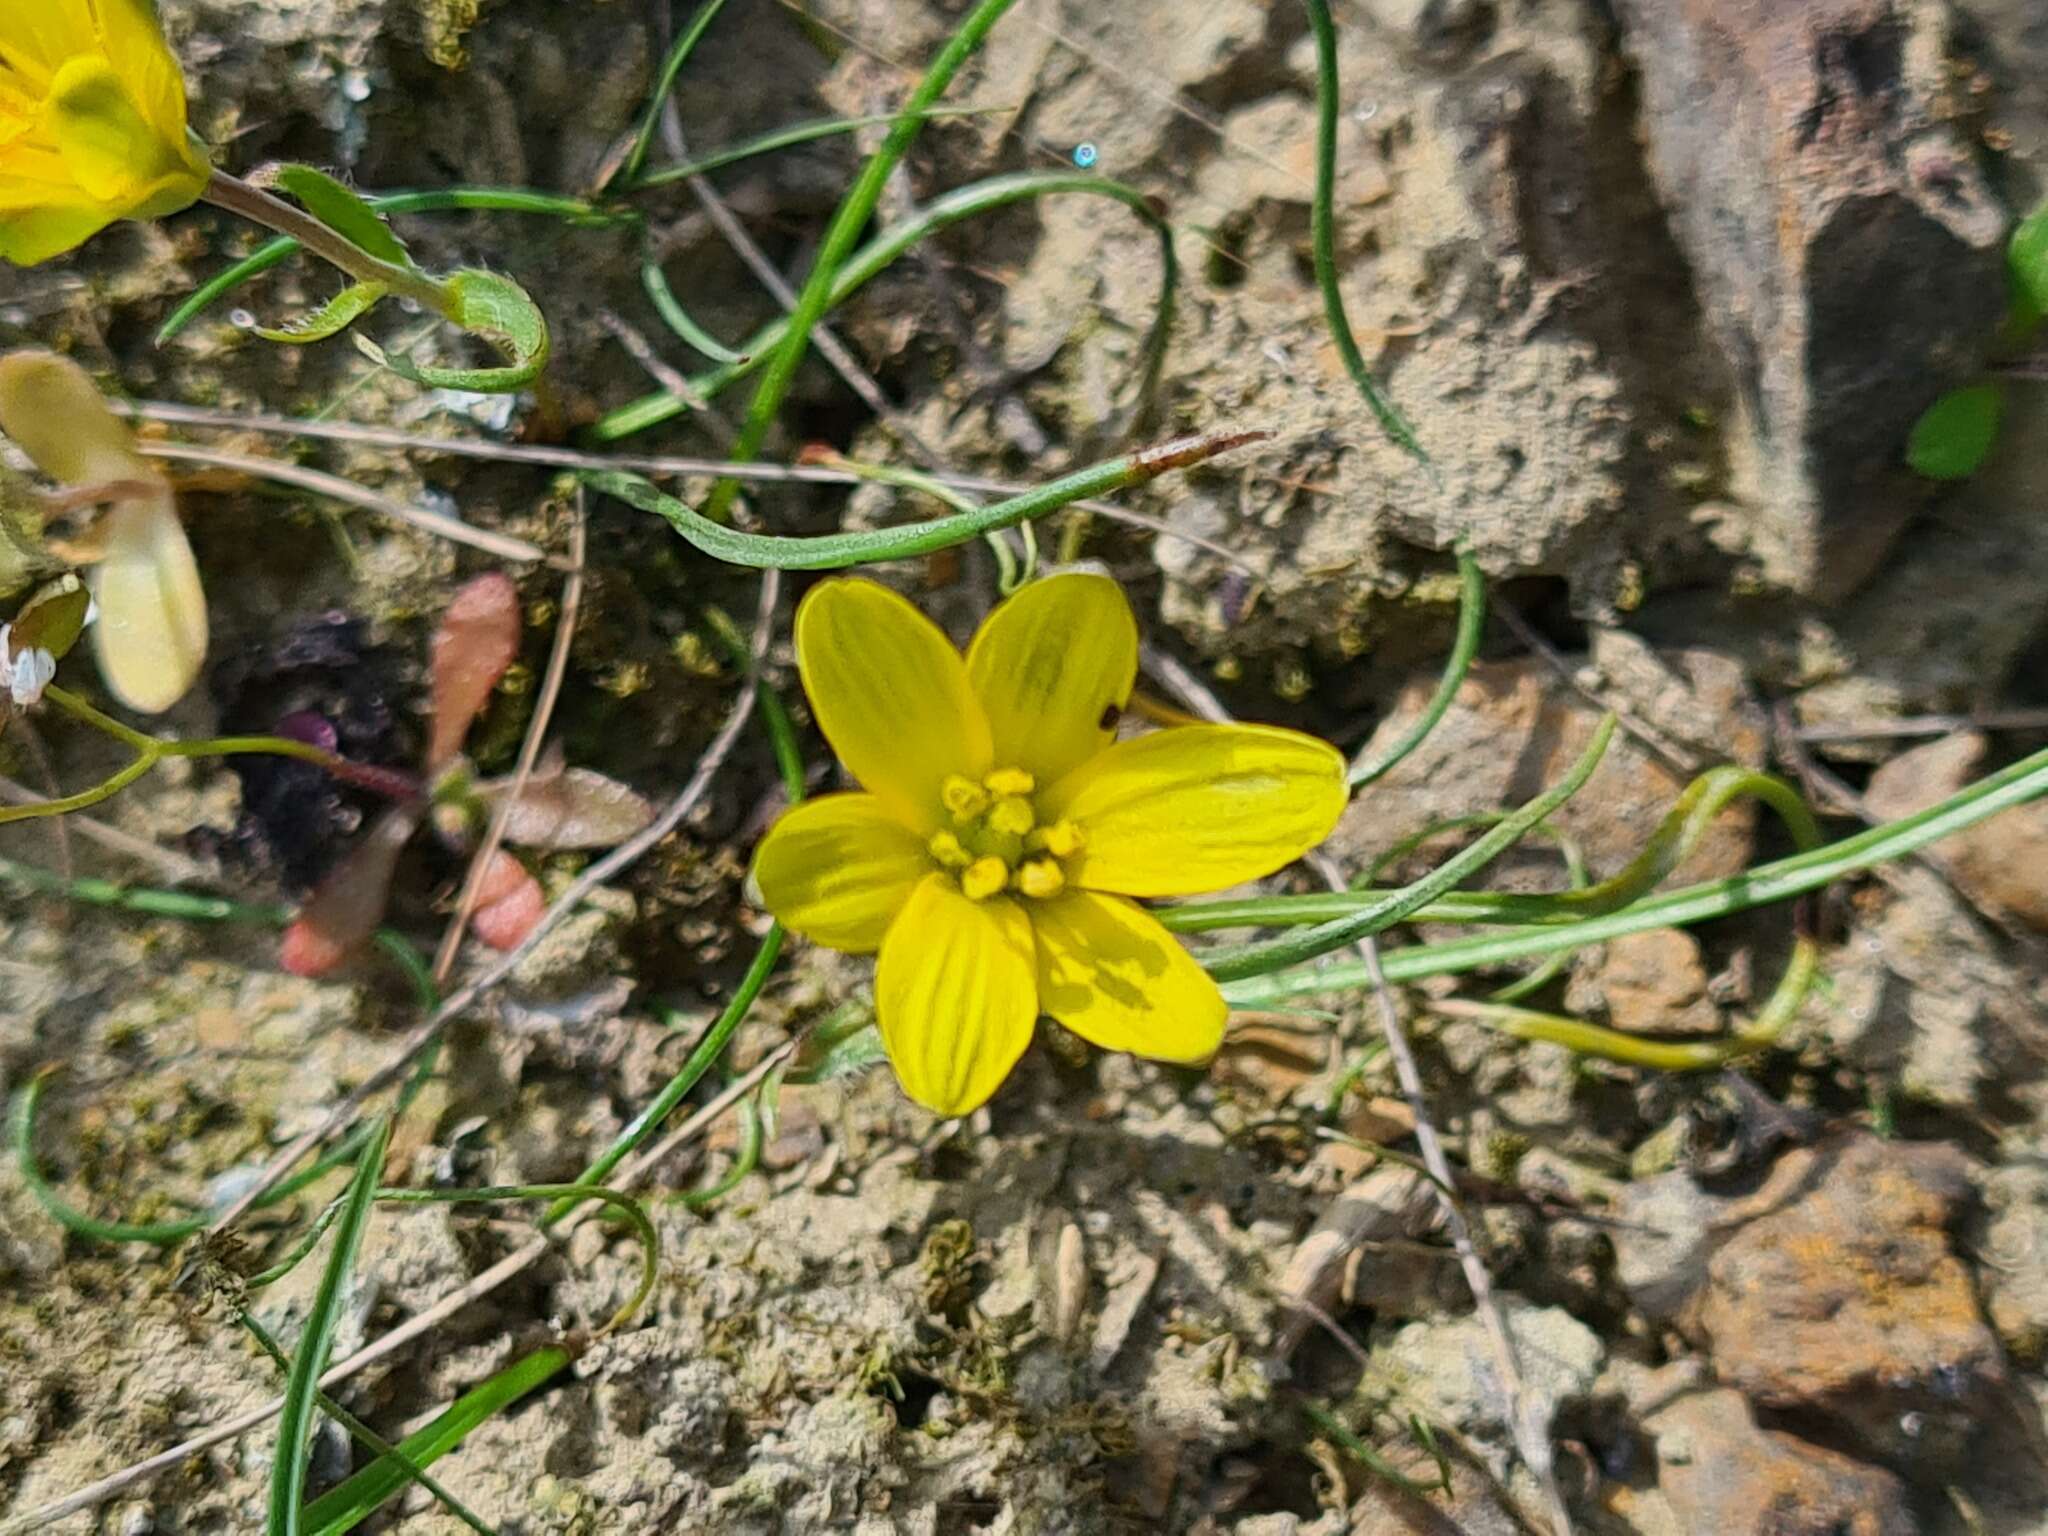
<point x="848" y="220"/>
<point x="1471" y="625"/>
<point x="349" y="1503"/>
<point x="891" y="244"/>
<point x="1256" y="959"/>
<point x="316" y="1341"/>
<point x="835" y="551"/>
<point x="1323" y="241"/>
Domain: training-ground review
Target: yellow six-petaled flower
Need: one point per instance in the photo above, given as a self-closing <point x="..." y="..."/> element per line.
<point x="92" y="124"/>
<point x="1004" y="838"/>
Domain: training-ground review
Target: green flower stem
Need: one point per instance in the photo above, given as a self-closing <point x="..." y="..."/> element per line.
<point x="1258" y="959"/>
<point x="962" y="203"/>
<point x="1471" y="625"/>
<point x="274" y="253"/>
<point x="149" y="751"/>
<point x="259" y="207"/>
<point x="835" y="551"/>
<point x="854" y="212"/>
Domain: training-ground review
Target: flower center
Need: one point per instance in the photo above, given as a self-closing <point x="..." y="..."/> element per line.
<point x="996" y="843"/>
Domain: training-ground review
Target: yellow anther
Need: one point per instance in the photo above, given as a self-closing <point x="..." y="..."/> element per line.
<point x="1010" y="781"/>
<point x="1040" y="878"/>
<point x="945" y="847"/>
<point x="963" y="797"/>
<point x="984" y="877"/>
<point x="1062" y="839"/>
<point x="1012" y="816"/>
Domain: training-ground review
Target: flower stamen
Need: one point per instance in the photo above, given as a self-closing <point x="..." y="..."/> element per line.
<point x="984" y="878"/>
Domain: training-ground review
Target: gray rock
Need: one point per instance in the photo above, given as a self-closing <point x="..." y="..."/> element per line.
<point x="1798" y="146"/>
<point x="1717" y="1471"/>
<point x="1447" y="1371"/>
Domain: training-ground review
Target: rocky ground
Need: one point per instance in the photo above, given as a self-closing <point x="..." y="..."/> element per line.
<point x="1663" y="283"/>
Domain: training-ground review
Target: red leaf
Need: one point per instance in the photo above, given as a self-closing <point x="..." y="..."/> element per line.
<point x="510" y="904"/>
<point x="478" y="637"/>
<point x="346" y="909"/>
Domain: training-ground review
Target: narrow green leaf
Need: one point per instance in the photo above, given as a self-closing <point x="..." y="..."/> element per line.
<point x="316" y="1342"/>
<point x="1471" y="625"/>
<point x="342" y="210"/>
<point x="834" y="551"/>
<point x="2026" y="257"/>
<point x="1322" y="237"/>
<point x="345" y="1506"/>
<point x="1954" y="434"/>
<point x="1257" y="959"/>
<point x="330" y="319"/>
<point x="496" y="309"/>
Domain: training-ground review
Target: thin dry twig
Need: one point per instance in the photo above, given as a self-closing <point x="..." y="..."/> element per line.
<point x="645" y="464"/>
<point x="173" y="866"/>
<point x="1531" y="1441"/>
<point x="529" y="749"/>
<point x="670" y="378"/>
<point x="1660" y="744"/>
<point x="454" y="529"/>
<point x="1922" y="725"/>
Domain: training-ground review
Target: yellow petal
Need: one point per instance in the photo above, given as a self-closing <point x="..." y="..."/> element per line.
<point x="151" y="636"/>
<point x="890" y="693"/>
<point x="1051" y="666"/>
<point x="31" y="235"/>
<point x="955" y="995"/>
<point x="837" y="869"/>
<point x="137" y="167"/>
<point x="51" y="409"/>
<point x="1198" y="808"/>
<point x="134" y="43"/>
<point x="1112" y="975"/>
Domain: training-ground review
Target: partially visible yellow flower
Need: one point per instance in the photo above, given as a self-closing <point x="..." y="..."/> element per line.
<point x="92" y="124"/>
<point x="994" y="857"/>
<point x="151" y="637"/>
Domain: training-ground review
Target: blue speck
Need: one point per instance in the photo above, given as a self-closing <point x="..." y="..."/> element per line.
<point x="1084" y="155"/>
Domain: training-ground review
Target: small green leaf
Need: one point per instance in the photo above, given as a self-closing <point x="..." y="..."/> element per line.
<point x="498" y="310"/>
<point x="343" y="211"/>
<point x="330" y="319"/>
<point x="54" y="618"/>
<point x="2027" y="257"/>
<point x="1954" y="434"/>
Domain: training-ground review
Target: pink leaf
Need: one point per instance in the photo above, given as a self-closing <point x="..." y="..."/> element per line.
<point x="509" y="903"/>
<point x="478" y="637"/>
<point x="342" y="914"/>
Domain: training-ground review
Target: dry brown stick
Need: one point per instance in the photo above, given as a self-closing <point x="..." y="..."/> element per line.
<point x="529" y="749"/>
<point x="670" y="378"/>
<point x="1530" y="1442"/>
<point x="454" y="529"/>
